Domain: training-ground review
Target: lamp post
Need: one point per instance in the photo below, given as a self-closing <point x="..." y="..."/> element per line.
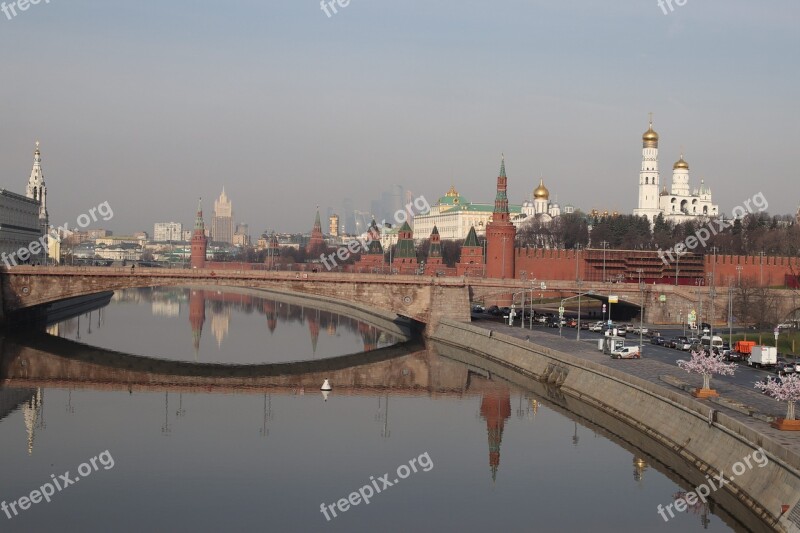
<point x="578" y="282"/>
<point x="713" y="292"/>
<point x="641" y="311"/>
<point x="560" y="312"/>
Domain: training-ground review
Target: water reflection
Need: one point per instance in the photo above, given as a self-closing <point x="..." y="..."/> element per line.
<point x="261" y="438"/>
<point x="216" y="312"/>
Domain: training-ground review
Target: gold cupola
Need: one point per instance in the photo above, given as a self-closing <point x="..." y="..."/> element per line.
<point x="541" y="191"/>
<point x="680" y="164"/>
<point x="650" y="137"/>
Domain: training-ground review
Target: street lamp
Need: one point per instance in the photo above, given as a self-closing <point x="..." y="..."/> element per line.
<point x="578" y="282"/>
<point x="641" y="311"/>
<point x="713" y="292"/>
<point x="560" y="312"/>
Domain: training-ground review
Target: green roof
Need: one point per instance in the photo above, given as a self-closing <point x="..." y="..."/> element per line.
<point x="472" y="238"/>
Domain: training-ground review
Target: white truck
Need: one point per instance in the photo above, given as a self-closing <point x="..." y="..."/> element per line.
<point x="763" y="356"/>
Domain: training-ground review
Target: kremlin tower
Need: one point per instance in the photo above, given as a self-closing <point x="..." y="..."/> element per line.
<point x="316" y="244"/>
<point x="500" y="233"/>
<point x="434" y="262"/>
<point x="471" y="262"/>
<point x="199" y="240"/>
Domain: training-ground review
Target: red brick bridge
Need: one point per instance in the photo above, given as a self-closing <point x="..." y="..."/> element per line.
<point x="421" y="298"/>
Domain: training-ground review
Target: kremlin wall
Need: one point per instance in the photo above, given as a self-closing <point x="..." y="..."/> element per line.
<point x="500" y="259"/>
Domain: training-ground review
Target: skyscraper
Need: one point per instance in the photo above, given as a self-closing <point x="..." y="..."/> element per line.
<point x="222" y="222"/>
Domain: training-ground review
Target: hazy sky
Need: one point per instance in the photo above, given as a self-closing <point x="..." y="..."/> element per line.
<point x="148" y="105"/>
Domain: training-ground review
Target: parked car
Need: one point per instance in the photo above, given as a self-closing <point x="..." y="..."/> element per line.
<point x="597" y="326"/>
<point x="638" y="330"/>
<point x="584" y="324"/>
<point x="684" y="343"/>
<point x="659" y="340"/>
<point x="542" y="319"/>
<point x="734" y="357"/>
<point x="493" y="310"/>
<point x="783" y="367"/>
<point x="671" y="342"/>
<point x="478" y="309"/>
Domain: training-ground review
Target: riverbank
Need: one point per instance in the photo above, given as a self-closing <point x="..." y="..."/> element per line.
<point x="710" y="436"/>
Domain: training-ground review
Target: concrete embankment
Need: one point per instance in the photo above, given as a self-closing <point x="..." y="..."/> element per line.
<point x="692" y="430"/>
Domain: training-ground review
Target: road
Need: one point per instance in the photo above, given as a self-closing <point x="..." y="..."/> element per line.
<point x="744" y="376"/>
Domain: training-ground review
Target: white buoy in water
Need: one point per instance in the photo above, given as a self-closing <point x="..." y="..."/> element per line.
<point x="326" y="386"/>
<point x="325" y="394"/>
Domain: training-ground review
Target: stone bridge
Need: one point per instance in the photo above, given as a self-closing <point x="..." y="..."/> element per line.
<point x="421" y="298"/>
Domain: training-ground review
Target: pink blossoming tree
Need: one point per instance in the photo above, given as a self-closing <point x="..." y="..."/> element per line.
<point x="707" y="365"/>
<point x="786" y="390"/>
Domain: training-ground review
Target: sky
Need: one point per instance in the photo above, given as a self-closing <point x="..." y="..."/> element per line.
<point x="149" y="105"/>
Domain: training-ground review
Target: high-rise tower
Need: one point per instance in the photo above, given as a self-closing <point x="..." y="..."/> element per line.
<point x="222" y="222"/>
<point x="37" y="189"/>
<point x="199" y="240"/>
<point x="500" y="233"/>
<point x="648" y="176"/>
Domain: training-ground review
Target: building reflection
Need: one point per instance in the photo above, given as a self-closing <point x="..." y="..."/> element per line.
<point x="220" y="306"/>
<point x="495" y="410"/>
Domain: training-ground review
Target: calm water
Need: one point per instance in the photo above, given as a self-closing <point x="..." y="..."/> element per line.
<point x="198" y="446"/>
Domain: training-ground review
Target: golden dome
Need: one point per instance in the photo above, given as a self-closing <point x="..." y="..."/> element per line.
<point x="680" y="163"/>
<point x="650" y="137"/>
<point x="452" y="191"/>
<point x="541" y="191"/>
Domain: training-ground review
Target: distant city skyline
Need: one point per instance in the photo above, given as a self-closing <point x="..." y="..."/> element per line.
<point x="289" y="109"/>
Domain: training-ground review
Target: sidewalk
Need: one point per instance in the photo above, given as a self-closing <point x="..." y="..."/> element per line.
<point x="669" y="376"/>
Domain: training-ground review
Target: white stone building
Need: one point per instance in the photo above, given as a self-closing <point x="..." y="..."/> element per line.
<point x="167" y="231"/>
<point x="680" y="203"/>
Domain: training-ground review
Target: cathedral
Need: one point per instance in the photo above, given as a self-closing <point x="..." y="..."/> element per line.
<point x="679" y="204"/>
<point x="541" y="207"/>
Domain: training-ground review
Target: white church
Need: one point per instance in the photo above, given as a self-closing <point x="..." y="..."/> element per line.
<point x="679" y="204"/>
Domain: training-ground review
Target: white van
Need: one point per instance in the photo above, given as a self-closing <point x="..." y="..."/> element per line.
<point x="710" y="343"/>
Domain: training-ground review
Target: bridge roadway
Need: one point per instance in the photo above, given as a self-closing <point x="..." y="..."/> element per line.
<point x="423" y="298"/>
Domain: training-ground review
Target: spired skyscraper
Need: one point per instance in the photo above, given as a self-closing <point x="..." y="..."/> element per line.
<point x="222" y="222"/>
<point x="37" y="189"/>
